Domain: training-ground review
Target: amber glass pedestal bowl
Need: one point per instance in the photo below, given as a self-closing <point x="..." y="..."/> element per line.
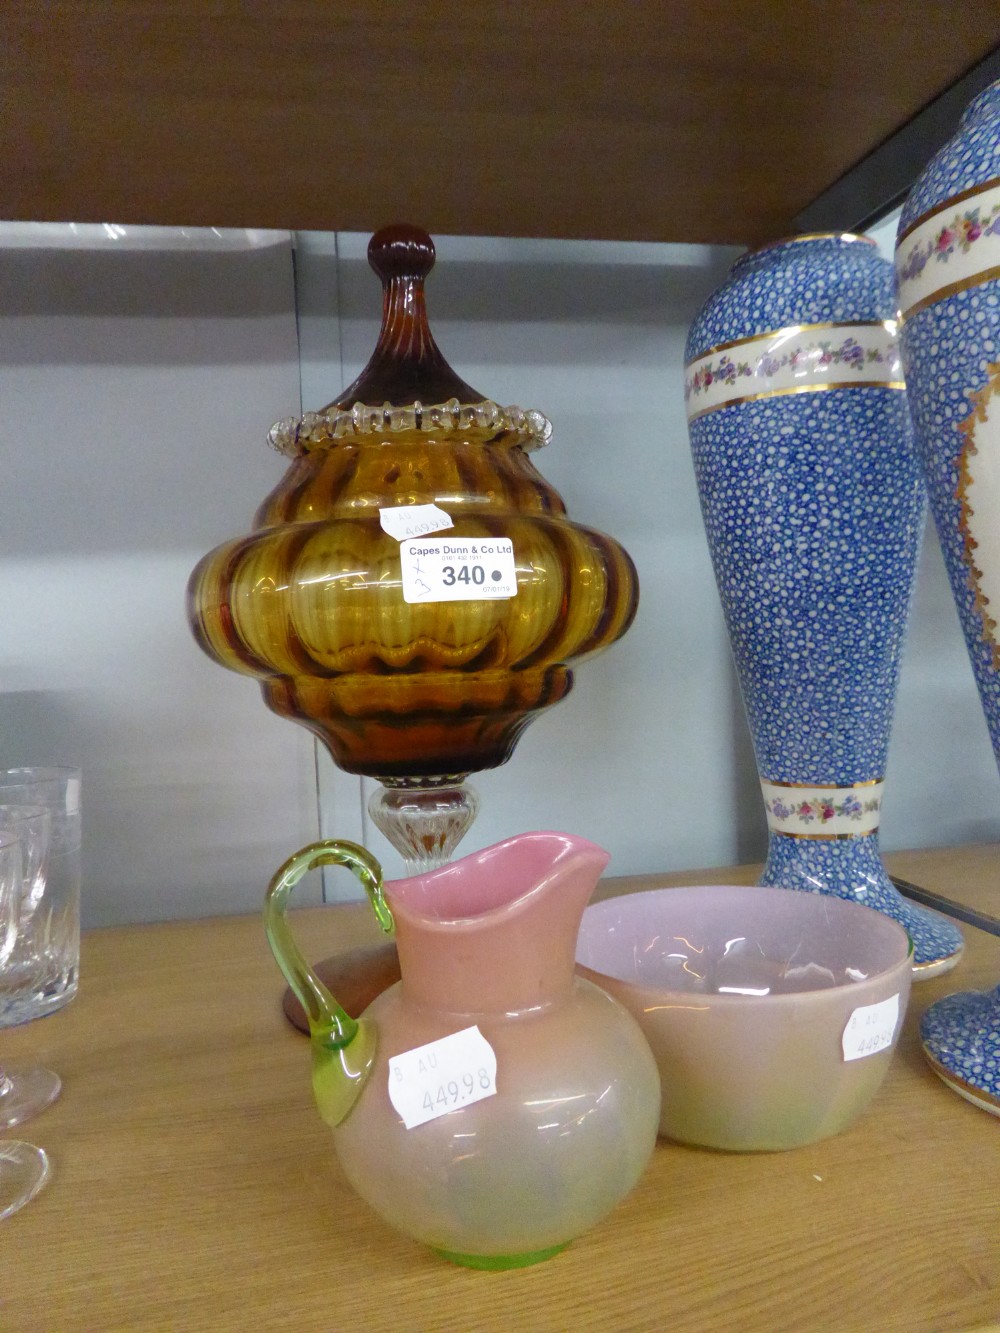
<point x="311" y="602"/>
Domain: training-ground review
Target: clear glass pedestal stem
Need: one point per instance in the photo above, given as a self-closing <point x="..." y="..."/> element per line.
<point x="424" y="818"/>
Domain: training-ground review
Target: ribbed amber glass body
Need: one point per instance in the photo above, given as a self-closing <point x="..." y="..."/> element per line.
<point x="311" y="602"/>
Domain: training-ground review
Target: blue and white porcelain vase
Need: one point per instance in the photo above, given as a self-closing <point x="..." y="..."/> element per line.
<point x="948" y="270"/>
<point x="813" y="506"/>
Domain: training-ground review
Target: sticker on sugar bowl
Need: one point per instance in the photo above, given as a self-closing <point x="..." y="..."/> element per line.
<point x="442" y="1076"/>
<point x="871" y="1028"/>
<point x="458" y="569"/>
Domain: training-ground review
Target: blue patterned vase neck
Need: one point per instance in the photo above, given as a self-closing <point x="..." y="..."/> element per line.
<point x="970" y="159"/>
<point x="818" y="279"/>
<point x="780" y="252"/>
<point x="983" y="107"/>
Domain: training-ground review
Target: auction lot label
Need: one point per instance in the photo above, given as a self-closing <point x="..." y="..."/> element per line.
<point x="458" y="569"/>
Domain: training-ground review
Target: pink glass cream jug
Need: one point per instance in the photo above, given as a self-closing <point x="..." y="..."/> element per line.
<point x="491" y="1104"/>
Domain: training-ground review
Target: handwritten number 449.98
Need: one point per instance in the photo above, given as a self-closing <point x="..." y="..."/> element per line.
<point x="450" y="1093"/>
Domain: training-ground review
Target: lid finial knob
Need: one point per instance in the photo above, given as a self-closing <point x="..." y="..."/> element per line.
<point x="406" y="366"/>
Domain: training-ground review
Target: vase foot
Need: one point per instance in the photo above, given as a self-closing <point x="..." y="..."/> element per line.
<point x="937" y="967"/>
<point x="937" y="941"/>
<point x="961" y="1040"/>
<point x="496" y="1263"/>
<point x="852" y="869"/>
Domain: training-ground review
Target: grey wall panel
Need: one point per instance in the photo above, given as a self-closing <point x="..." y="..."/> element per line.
<point x="139" y="371"/>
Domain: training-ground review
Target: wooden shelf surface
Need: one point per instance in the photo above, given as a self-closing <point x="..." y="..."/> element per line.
<point x="704" y="121"/>
<point x="195" y="1186"/>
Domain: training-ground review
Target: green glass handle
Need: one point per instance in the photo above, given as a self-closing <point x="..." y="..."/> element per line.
<point x="343" y="1047"/>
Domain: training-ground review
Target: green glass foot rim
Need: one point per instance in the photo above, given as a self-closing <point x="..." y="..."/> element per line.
<point x="495" y="1263"/>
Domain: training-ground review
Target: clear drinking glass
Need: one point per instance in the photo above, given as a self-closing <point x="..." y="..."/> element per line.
<point x="40" y="974"/>
<point x="24" y="1092"/>
<point x="24" y="1169"/>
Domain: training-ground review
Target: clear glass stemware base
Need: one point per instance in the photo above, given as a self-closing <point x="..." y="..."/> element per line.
<point x="25" y="1092"/>
<point x="24" y="1169"/>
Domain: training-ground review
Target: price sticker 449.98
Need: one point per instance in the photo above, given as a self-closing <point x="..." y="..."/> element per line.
<point x="458" y="569"/>
<point x="444" y="1075"/>
<point x="871" y="1028"/>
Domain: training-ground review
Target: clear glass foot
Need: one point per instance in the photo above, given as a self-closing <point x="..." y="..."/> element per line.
<point x="24" y="1169"/>
<point x="424" y="818"/>
<point x="25" y="1092"/>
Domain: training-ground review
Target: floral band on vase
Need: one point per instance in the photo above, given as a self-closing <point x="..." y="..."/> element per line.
<point x="954" y="246"/>
<point x="804" y="358"/>
<point x="799" y="810"/>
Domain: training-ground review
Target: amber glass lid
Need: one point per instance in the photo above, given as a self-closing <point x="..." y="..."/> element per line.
<point x="407" y="384"/>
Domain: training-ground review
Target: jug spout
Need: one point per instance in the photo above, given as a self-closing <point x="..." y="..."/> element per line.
<point x="343" y="1048"/>
<point x="496" y="930"/>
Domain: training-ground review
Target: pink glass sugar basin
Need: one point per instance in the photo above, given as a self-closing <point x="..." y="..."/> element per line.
<point x="773" y="1014"/>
